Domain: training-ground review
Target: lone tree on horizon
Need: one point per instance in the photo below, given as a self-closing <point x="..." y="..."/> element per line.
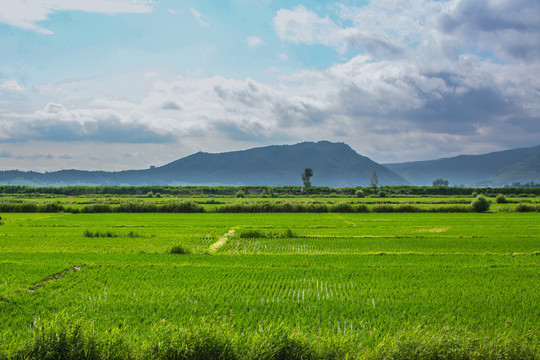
<point x="374" y="181"/>
<point x="306" y="177"/>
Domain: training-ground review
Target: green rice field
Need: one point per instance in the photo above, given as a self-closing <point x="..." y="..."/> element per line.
<point x="329" y="285"/>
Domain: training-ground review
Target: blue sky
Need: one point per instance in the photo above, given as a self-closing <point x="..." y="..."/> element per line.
<point x="119" y="84"/>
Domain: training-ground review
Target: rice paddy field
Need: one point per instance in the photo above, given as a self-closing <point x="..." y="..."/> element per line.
<point x="328" y="285"/>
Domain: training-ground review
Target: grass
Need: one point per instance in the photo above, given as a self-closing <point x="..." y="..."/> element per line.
<point x="312" y="286"/>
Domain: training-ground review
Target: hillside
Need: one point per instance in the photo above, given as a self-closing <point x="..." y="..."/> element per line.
<point x="492" y="169"/>
<point x="333" y="164"/>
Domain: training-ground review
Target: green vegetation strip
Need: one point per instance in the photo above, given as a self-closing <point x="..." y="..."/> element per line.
<point x="310" y="286"/>
<point x="479" y="204"/>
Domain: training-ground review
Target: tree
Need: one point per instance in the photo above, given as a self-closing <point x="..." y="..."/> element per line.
<point x="374" y="181"/>
<point x="306" y="177"/>
<point x="440" y="182"/>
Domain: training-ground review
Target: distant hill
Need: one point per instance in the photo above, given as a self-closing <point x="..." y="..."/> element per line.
<point x="493" y="169"/>
<point x="333" y="164"/>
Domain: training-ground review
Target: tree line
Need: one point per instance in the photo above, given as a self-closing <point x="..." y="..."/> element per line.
<point x="265" y="191"/>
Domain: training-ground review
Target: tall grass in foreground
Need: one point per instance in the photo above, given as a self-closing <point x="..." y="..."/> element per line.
<point x="64" y="338"/>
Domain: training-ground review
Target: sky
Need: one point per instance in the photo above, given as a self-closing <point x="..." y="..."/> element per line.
<point x="126" y="84"/>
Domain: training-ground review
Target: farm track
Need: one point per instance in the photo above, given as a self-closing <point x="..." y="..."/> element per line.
<point x="54" y="277"/>
<point x="350" y="223"/>
<point x="214" y="248"/>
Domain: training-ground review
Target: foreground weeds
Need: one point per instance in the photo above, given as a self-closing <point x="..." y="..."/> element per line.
<point x="74" y="339"/>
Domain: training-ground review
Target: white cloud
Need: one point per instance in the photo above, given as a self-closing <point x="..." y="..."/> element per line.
<point x="302" y="25"/>
<point x="254" y="41"/>
<point x="201" y="19"/>
<point x="27" y="14"/>
<point x="510" y="29"/>
<point x="12" y="86"/>
<point x="389" y="110"/>
<point x="415" y="89"/>
<point x="386" y="29"/>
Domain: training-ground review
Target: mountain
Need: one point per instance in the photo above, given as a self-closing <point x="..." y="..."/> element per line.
<point x="333" y="164"/>
<point x="492" y="169"/>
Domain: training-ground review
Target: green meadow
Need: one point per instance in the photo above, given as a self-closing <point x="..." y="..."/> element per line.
<point x="270" y="285"/>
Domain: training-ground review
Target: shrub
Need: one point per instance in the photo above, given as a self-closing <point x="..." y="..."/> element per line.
<point x="255" y="234"/>
<point x="407" y="208"/>
<point x="383" y="209"/>
<point x="381" y="194"/>
<point x="526" y="208"/>
<point x="180" y="250"/>
<point x="451" y="209"/>
<point x="251" y="234"/>
<point x="359" y="193"/>
<point x="361" y="208"/>
<point x="50" y="208"/>
<point x="500" y="199"/>
<point x="341" y="208"/>
<point x="240" y="194"/>
<point x="480" y="204"/>
<point x="97" y="208"/>
<point x="88" y="233"/>
<point x="289" y="234"/>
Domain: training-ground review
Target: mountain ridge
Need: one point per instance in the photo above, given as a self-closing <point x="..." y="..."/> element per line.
<point x="334" y="165"/>
<point x="491" y="169"/>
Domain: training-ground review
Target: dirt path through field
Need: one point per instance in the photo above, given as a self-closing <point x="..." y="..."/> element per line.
<point x="214" y="248"/>
<point x="54" y="277"/>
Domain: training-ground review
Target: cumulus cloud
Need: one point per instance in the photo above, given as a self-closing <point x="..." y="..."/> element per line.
<point x="391" y="29"/>
<point x="301" y="25"/>
<point x="56" y="123"/>
<point x="27" y="14"/>
<point x="415" y="88"/>
<point x="13" y="87"/>
<point x="508" y="27"/>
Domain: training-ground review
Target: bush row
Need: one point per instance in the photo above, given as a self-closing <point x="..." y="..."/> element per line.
<point x="335" y="208"/>
<point x="177" y="207"/>
<point x="478" y="205"/>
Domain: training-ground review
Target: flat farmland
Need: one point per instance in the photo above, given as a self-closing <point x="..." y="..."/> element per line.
<point x="333" y="285"/>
